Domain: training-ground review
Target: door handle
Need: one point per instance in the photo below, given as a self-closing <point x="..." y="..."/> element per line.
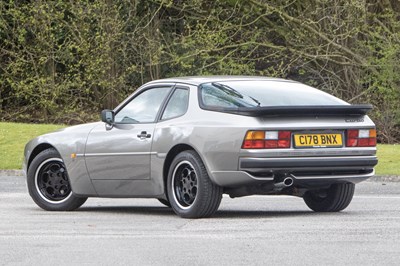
<point x="144" y="135"/>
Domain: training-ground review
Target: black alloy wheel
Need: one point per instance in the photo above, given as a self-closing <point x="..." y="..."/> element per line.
<point x="52" y="182"/>
<point x="185" y="184"/>
<point x="190" y="191"/>
<point x="49" y="183"/>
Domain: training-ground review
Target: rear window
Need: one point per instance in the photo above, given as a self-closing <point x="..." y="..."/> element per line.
<point x="232" y="94"/>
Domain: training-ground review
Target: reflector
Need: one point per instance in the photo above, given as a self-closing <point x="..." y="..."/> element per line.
<point x="271" y="134"/>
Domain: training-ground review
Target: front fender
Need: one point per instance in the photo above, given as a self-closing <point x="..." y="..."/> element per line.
<point x="67" y="141"/>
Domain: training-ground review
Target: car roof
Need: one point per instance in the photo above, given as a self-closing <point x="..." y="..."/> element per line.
<point x="197" y="80"/>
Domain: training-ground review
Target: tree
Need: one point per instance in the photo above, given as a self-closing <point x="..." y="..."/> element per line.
<point x="63" y="61"/>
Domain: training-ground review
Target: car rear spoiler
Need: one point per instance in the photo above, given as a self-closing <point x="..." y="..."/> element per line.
<point x="299" y="110"/>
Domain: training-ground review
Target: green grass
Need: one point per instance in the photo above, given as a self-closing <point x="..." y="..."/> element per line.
<point x="389" y="160"/>
<point x="14" y="136"/>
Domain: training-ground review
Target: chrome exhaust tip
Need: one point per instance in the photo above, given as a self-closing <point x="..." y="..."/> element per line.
<point x="286" y="182"/>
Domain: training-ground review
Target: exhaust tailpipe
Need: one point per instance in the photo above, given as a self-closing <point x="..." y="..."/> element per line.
<point x="287" y="182"/>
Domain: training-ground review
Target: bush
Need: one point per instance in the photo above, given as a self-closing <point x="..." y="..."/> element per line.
<point x="64" y="61"/>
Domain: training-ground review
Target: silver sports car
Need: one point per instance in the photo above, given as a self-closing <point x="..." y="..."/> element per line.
<point x="186" y="141"/>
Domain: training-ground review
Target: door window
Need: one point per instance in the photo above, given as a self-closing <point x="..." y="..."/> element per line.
<point x="177" y="104"/>
<point x="143" y="108"/>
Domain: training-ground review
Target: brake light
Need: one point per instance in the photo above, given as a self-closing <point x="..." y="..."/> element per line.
<point x="257" y="139"/>
<point x="361" y="138"/>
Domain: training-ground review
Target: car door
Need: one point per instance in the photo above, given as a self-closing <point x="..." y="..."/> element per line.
<point x="123" y="151"/>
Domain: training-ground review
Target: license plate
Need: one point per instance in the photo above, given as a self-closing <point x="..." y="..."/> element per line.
<point x="318" y="140"/>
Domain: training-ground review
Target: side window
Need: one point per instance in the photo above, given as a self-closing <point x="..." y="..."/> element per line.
<point x="177" y="104"/>
<point x="143" y="108"/>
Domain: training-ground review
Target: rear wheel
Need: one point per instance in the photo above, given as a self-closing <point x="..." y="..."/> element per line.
<point x="49" y="185"/>
<point x="190" y="190"/>
<point x="334" y="199"/>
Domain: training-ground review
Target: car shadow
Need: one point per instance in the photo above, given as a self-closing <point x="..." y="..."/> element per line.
<point x="272" y="213"/>
<point x="258" y="214"/>
<point x="143" y="210"/>
<point x="220" y="214"/>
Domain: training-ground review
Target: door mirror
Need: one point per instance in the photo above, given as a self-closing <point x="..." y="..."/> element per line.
<point x="107" y="116"/>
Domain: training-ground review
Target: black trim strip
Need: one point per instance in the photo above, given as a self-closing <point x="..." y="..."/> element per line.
<point x="310" y="163"/>
<point x="312" y="110"/>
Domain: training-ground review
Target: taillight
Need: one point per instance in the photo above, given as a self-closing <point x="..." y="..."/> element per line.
<point x="361" y="138"/>
<point x="257" y="139"/>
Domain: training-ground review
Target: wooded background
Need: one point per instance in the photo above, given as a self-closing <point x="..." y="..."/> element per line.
<point x="64" y="61"/>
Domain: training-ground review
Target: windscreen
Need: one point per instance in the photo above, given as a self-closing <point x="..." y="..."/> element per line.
<point x="233" y="94"/>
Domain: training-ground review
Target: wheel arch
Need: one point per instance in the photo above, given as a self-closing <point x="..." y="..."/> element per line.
<point x="175" y="150"/>
<point x="38" y="149"/>
<point x="171" y="155"/>
<point x="207" y="198"/>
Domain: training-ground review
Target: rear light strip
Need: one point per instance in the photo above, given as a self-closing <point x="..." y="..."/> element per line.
<point x="267" y="140"/>
<point x="259" y="139"/>
<point x="361" y="138"/>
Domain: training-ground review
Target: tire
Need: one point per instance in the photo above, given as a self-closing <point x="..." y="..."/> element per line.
<point x="48" y="183"/>
<point x="190" y="190"/>
<point x="334" y="199"/>
<point x="165" y="202"/>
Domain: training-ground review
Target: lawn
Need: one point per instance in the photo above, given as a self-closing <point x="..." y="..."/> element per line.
<point x="389" y="160"/>
<point x="14" y="136"/>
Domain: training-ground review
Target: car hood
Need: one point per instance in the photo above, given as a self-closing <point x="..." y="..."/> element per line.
<point x="77" y="128"/>
<point x="65" y="140"/>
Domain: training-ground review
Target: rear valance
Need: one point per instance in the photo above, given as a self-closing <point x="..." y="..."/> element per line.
<point x="318" y="110"/>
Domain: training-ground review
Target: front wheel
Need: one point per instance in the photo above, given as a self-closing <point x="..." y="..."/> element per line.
<point x="49" y="185"/>
<point x="190" y="190"/>
<point x="334" y="199"/>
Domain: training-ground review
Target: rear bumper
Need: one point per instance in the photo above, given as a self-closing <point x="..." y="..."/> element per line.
<point x="305" y="170"/>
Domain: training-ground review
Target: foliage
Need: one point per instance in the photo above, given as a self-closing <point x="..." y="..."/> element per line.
<point x="63" y="61"/>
